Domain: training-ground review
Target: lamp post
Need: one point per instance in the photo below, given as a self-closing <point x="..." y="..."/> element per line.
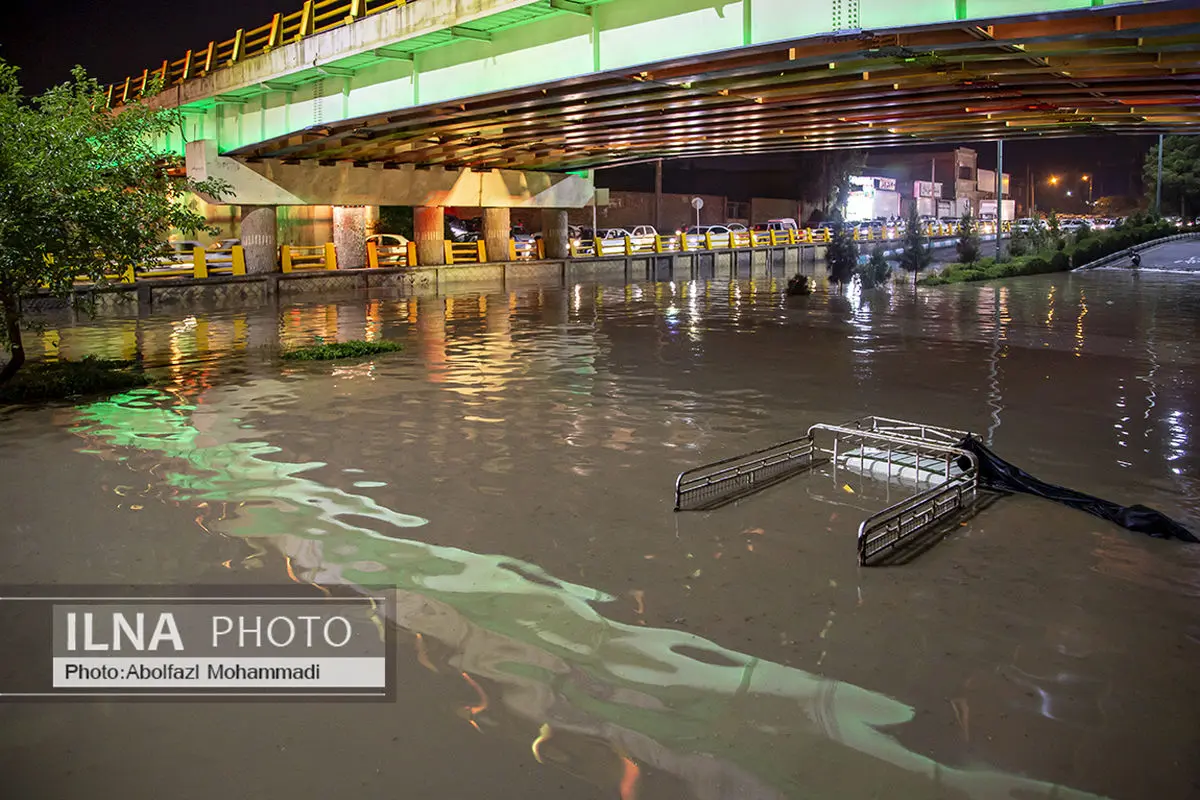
<point x="1088" y="180"/>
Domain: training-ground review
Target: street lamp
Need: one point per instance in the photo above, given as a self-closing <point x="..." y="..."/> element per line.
<point x="1088" y="180"/>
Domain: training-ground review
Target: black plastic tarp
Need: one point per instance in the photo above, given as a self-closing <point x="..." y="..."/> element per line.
<point x="998" y="475"/>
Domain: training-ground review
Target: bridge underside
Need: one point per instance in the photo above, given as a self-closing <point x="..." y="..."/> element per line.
<point x="1115" y="70"/>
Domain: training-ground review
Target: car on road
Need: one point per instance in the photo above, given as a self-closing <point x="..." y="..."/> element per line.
<point x="643" y="230"/>
<point x="608" y="234"/>
<point x="736" y="227"/>
<point x="696" y="233"/>
<point x="387" y="240"/>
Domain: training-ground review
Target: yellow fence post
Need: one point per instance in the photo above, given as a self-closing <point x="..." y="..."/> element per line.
<point x="708" y="240"/>
<point x="683" y="242"/>
<point x="448" y="248"/>
<point x="199" y="263"/>
<point x="597" y="247"/>
<point x="127" y="276"/>
<point x="541" y="248"/>
<point x="275" y="37"/>
<point x="208" y="57"/>
<point x="410" y="254"/>
<point x="658" y="243"/>
<point x="239" y="46"/>
<point x="330" y="256"/>
<point x="512" y="249"/>
<point x="791" y="235"/>
<point x="285" y="255"/>
<point x="357" y="9"/>
<point x="628" y="245"/>
<point x="238" y="254"/>
<point x="372" y="255"/>
<point x="308" y="20"/>
<point x="480" y="251"/>
<point x="574" y="248"/>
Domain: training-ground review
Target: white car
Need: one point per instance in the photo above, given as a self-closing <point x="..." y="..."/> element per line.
<point x="643" y="230"/>
<point x="387" y="240"/>
<point x="613" y="233"/>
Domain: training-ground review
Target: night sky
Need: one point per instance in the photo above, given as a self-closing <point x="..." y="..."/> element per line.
<point x="116" y="38"/>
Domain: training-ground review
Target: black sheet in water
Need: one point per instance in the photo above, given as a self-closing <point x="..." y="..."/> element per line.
<point x="997" y="474"/>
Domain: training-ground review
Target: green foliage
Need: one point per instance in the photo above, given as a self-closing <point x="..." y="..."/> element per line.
<point x="968" y="239"/>
<point x="877" y="269"/>
<point x="397" y="220"/>
<point x="915" y="255"/>
<point x="83" y="192"/>
<point x="355" y="348"/>
<point x="1059" y="262"/>
<point x="841" y="256"/>
<point x="55" y="380"/>
<point x="1181" y="175"/>
<point x="1020" y="243"/>
<point x="1137" y="230"/>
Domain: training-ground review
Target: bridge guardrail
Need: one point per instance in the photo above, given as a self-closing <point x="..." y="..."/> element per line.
<point x="316" y="16"/>
<point x="295" y="258"/>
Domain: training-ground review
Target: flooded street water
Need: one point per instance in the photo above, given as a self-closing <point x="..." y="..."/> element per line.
<point x="562" y="632"/>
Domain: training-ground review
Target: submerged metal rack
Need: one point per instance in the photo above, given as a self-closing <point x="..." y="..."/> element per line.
<point x="927" y="457"/>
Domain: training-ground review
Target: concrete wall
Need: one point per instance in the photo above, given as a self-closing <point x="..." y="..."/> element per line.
<point x="765" y="208"/>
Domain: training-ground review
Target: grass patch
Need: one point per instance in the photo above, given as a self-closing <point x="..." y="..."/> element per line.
<point x="355" y="348"/>
<point x="54" y="380"/>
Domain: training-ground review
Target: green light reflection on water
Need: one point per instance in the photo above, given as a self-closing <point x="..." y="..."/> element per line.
<point x="754" y="713"/>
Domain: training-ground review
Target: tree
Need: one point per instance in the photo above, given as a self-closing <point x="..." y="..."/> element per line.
<point x="841" y="255"/>
<point x="915" y="256"/>
<point x="84" y="192"/>
<point x="1181" y="175"/>
<point x="968" y="239"/>
<point x="877" y="269"/>
<point x="1053" y="231"/>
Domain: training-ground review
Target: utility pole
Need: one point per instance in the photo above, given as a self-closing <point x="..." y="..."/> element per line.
<point x="1158" y="183"/>
<point x="999" y="200"/>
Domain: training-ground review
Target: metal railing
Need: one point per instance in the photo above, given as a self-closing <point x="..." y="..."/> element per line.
<point x="382" y="255"/>
<point x="929" y="454"/>
<point x="316" y="16"/>
<point x="466" y="252"/>
<point x="295" y="258"/>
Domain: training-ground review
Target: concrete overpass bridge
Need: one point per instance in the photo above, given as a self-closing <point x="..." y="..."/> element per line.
<point x="510" y="103"/>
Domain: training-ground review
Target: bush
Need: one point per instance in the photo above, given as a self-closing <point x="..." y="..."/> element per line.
<point x="1036" y="266"/>
<point x="1059" y="262"/>
<point x="55" y="380"/>
<point x="354" y="348"/>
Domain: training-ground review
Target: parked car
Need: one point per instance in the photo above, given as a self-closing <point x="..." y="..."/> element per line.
<point x="223" y="245"/>
<point x="643" y="230"/>
<point x="695" y="233"/>
<point x="782" y="224"/>
<point x="736" y="227"/>
<point x="387" y="240"/>
<point x="613" y="233"/>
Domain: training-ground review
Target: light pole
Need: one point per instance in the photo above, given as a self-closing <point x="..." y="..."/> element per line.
<point x="1088" y="180"/>
<point x="1158" y="184"/>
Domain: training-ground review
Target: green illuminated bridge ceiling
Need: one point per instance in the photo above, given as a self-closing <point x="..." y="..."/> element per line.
<point x="569" y="84"/>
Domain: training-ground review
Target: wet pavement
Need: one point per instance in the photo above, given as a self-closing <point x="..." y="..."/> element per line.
<point x="563" y="633"/>
<point x="1178" y="256"/>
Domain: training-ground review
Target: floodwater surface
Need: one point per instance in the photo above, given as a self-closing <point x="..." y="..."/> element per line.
<point x="562" y="632"/>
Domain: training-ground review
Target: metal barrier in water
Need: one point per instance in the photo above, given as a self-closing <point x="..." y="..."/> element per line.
<point x="896" y="451"/>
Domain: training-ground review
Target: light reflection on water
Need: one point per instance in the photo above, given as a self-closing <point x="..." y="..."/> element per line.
<point x="510" y="471"/>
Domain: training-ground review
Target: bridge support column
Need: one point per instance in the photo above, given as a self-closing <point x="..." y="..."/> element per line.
<point x="497" y="229"/>
<point x="350" y="236"/>
<point x="555" y="233"/>
<point x="258" y="228"/>
<point x="429" y="224"/>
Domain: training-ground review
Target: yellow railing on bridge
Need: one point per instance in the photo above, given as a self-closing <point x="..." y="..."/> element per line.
<point x="316" y="16"/>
